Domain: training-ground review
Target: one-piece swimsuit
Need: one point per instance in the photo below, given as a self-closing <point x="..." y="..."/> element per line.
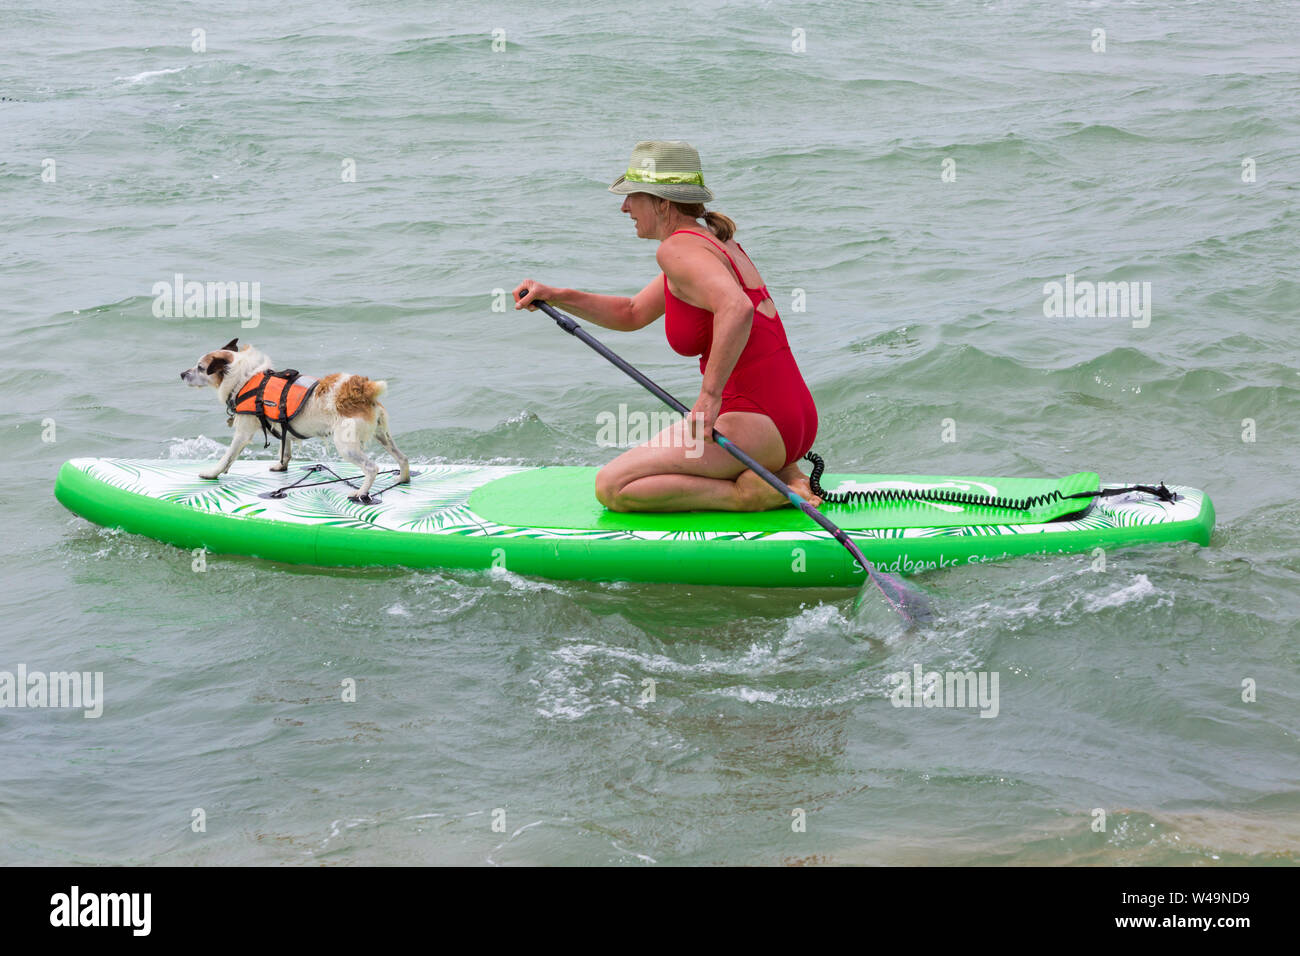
<point x="766" y="379"/>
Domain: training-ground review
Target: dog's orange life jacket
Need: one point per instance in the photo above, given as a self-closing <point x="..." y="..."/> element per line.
<point x="275" y="398"/>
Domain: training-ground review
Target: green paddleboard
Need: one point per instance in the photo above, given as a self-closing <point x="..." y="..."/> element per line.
<point x="547" y="522"/>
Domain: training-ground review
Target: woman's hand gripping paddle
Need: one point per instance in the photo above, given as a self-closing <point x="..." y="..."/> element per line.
<point x="912" y="605"/>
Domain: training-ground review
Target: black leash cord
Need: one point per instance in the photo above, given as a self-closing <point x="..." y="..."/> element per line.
<point x="881" y="495"/>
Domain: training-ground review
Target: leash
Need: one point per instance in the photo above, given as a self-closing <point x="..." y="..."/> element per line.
<point x="881" y="495"/>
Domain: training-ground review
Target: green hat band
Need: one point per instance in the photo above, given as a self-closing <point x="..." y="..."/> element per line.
<point x="639" y="175"/>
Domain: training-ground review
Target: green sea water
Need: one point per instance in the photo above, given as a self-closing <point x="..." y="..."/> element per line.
<point x="908" y="177"/>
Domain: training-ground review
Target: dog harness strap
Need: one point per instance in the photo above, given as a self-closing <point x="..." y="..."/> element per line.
<point x="298" y="389"/>
<point x="271" y="406"/>
<point x="272" y="397"/>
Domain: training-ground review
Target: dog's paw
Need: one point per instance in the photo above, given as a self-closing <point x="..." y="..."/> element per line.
<point x="279" y="468"/>
<point x="210" y="475"/>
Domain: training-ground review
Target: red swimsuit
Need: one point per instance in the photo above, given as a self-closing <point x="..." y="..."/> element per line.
<point x="766" y="379"/>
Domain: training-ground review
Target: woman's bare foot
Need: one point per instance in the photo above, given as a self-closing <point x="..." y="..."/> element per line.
<point x="798" y="483"/>
<point x="755" y="494"/>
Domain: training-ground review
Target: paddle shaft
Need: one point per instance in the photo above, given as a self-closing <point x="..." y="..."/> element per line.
<point x="571" y="326"/>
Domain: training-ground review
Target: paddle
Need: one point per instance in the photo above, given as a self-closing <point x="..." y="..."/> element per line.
<point x="909" y="603"/>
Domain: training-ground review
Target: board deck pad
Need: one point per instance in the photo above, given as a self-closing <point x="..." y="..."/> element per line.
<point x="547" y="522"/>
<point x="564" y="497"/>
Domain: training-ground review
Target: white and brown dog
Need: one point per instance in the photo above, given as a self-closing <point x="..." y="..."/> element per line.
<point x="342" y="407"/>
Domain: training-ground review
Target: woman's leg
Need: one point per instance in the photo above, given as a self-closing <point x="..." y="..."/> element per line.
<point x="663" y="475"/>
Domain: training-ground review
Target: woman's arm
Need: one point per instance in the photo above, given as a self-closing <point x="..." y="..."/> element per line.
<point x="617" y="312"/>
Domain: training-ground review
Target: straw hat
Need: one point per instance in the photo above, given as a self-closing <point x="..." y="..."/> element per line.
<point x="669" y="169"/>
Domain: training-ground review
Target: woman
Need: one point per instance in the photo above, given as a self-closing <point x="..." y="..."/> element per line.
<point x="715" y="306"/>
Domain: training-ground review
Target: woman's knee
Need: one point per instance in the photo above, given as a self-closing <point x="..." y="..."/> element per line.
<point x="608" y="485"/>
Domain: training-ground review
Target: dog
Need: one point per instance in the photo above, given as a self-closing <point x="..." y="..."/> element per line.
<point x="345" y="408"/>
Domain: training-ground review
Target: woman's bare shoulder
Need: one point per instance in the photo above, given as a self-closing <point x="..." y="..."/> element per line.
<point x="686" y="245"/>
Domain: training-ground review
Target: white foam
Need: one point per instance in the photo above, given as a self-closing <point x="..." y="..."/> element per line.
<point x="526" y="826"/>
<point x="1139" y="589"/>
<point x="195" y="449"/>
<point x="521" y="417"/>
<point x="148" y="75"/>
<point x="640" y="856"/>
<point x="347" y="825"/>
<point x="518" y="583"/>
<point x="749" y="695"/>
<point x="560" y="699"/>
<point x="817" y="619"/>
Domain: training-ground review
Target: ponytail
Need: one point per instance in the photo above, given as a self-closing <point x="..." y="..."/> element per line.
<point x="724" y="227"/>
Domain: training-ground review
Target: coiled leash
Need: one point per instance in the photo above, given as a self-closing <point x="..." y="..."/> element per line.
<point x="370" y="499"/>
<point x="881" y="495"/>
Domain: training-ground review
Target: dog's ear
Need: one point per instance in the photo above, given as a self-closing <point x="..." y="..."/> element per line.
<point x="230" y="346"/>
<point x="217" y="365"/>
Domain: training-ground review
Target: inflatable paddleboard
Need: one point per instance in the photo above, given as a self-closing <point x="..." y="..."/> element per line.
<point x="547" y="522"/>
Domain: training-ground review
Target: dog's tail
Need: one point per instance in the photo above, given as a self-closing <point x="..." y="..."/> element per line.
<point x="356" y="395"/>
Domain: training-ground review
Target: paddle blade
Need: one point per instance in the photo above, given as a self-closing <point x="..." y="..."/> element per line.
<point x="911" y="603"/>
